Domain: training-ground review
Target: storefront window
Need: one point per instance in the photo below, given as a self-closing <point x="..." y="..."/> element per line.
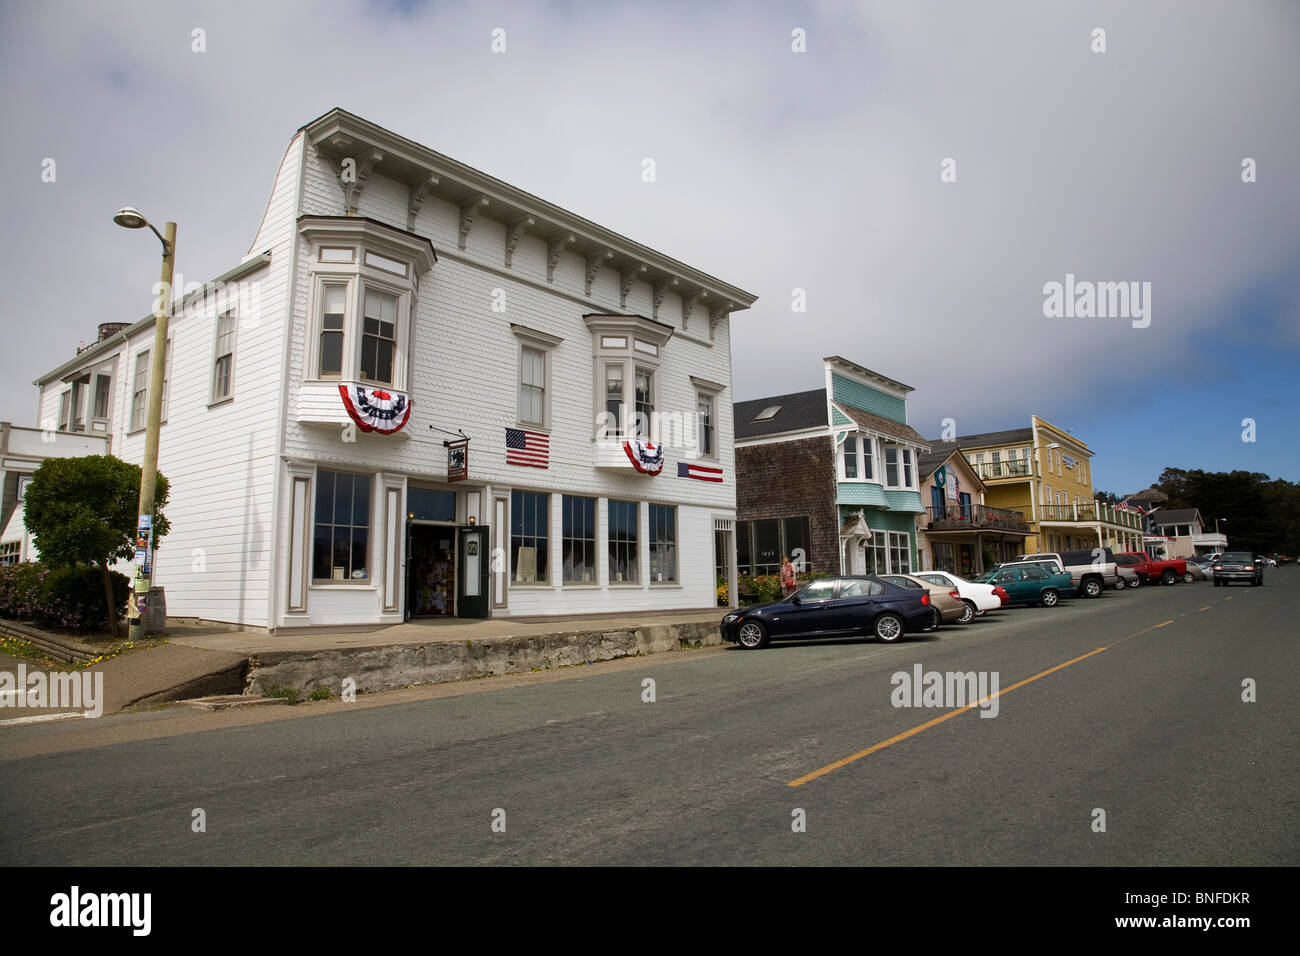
<point x="624" y="562"/>
<point x="529" y="536"/>
<point x="578" y="539"/>
<point x="341" y="545"/>
<point x="663" y="544"/>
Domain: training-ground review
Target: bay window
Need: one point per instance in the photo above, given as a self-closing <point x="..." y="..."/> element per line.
<point x="627" y="350"/>
<point x="364" y="281"/>
<point x="899" y="467"/>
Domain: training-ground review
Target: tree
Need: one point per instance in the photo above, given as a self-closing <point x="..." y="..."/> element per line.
<point x="84" y="511"/>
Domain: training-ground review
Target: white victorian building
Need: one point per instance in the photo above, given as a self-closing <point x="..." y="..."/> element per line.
<point x="394" y="301"/>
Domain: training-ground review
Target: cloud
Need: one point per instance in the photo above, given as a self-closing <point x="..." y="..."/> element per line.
<point x="776" y="170"/>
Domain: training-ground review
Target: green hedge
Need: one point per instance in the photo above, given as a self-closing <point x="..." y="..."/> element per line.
<point x="61" y="597"/>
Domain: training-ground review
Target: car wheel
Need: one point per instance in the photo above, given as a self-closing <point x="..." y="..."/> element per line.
<point x="1120" y="585"/>
<point x="752" y="635"/>
<point x="888" y="628"/>
<point x="1049" y="598"/>
<point x="1137" y="582"/>
<point x="1167" y="576"/>
<point x="1092" y="587"/>
<point x="969" y="614"/>
<point x="1189" y="578"/>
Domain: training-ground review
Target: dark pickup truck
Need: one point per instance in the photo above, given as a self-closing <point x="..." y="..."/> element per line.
<point x="1151" y="569"/>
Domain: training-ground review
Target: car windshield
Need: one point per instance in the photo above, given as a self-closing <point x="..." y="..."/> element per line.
<point x="1236" y="557"/>
<point x="985" y="577"/>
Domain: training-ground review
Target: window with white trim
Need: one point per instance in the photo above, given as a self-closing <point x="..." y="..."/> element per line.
<point x="704" y="425"/>
<point x="140" y="391"/>
<point x="341" y="537"/>
<point x="624" y="534"/>
<point x="628" y="351"/>
<point x="533" y="378"/>
<point x="578" y="539"/>
<point x="364" y="280"/>
<point x="663" y="544"/>
<point x="900" y="471"/>
<point x="223" y="362"/>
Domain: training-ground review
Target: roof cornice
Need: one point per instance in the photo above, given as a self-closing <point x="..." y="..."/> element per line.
<point x="340" y="134"/>
<point x="873" y="378"/>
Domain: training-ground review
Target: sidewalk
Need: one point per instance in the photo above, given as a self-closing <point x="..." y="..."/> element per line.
<point x="200" y="660"/>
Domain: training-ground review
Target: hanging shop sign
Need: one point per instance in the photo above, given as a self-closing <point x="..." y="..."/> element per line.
<point x="376" y="409"/>
<point x="646" y="456"/>
<point x="457" y="460"/>
<point x="1067" y="461"/>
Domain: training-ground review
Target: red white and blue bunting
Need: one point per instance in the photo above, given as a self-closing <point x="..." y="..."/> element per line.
<point x="376" y="409"/>
<point x="646" y="457"/>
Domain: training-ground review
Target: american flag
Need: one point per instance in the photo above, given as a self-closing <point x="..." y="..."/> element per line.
<point x="532" y="449"/>
<point x="698" y="472"/>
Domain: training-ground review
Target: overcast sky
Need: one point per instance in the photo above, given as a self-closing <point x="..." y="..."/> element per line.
<point x="776" y="170"/>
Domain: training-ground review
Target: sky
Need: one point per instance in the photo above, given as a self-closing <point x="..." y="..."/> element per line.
<point x="917" y="175"/>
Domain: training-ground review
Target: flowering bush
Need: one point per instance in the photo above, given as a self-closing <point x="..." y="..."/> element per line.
<point x="62" y="597"/>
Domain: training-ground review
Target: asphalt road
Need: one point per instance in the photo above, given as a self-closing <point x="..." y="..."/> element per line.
<point x="1145" y="722"/>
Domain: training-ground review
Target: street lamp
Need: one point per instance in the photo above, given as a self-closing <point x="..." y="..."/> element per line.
<point x="131" y="218"/>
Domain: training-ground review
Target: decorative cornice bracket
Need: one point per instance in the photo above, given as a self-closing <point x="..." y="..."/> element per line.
<point x="688" y="305"/>
<point x="626" y="277"/>
<point x="352" y="187"/>
<point x="468" y="213"/>
<point x="553" y="249"/>
<point x="514" y="230"/>
<point x="594" y="262"/>
<point x="417" y="191"/>
<point x="717" y="314"/>
<point x="658" y="288"/>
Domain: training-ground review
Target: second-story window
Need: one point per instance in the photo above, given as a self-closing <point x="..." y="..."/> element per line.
<point x="628" y="352"/>
<point x="223" y="366"/>
<point x="140" y="391"/>
<point x="532" y="386"/>
<point x="851" y="457"/>
<point x="378" y="337"/>
<point x="333" y="314"/>
<point x="704" y="411"/>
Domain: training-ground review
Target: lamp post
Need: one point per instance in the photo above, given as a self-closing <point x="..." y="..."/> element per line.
<point x="131" y="218"/>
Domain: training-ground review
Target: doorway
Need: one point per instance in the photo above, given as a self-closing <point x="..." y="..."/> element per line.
<point x="431" y="570"/>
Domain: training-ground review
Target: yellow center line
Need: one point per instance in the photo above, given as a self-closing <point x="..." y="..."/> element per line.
<point x="898" y="738"/>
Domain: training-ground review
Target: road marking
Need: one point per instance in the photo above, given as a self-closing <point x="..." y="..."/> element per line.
<point x="38" y="719"/>
<point x="1206" y="608"/>
<point x="897" y="738"/>
<point x="806" y="778"/>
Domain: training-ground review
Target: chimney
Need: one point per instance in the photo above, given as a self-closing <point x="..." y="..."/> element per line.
<point x="109" y="329"/>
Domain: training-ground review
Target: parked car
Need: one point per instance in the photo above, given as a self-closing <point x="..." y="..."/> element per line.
<point x="1091" y="571"/>
<point x="1128" y="578"/>
<point x="945" y="599"/>
<point x="1029" y="583"/>
<point x="1194" y="572"/>
<point x="1153" y="569"/>
<point x="1238" y="566"/>
<point x="833" y="607"/>
<point x="978" y="598"/>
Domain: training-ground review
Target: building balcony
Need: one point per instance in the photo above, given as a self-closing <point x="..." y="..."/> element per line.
<point x="1013" y="469"/>
<point x="956" y="517"/>
<point x="1215" y="542"/>
<point x="1091" y="513"/>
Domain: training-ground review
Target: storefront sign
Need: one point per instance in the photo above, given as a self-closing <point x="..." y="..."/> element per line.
<point x="457" y="461"/>
<point x="1067" y="461"/>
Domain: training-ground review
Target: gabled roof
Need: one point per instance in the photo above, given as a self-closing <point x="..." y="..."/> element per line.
<point x="882" y="425"/>
<point x="1012" y="436"/>
<point x="798" y="411"/>
<point x="1177" y="516"/>
<point x="940" y="451"/>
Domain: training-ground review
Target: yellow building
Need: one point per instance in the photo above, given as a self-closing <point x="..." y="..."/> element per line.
<point x="1045" y="473"/>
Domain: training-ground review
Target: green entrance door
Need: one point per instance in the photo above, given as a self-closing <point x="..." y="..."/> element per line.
<point x="472" y="581"/>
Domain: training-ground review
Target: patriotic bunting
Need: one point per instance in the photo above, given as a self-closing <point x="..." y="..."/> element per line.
<point x="376" y="409"/>
<point x="646" y="457"/>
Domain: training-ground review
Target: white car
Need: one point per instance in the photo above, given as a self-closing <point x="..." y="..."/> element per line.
<point x="978" y="598"/>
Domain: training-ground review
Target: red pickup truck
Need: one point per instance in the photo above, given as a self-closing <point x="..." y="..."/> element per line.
<point x="1151" y="569"/>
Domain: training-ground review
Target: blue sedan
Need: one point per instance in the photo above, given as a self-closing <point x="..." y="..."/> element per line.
<point x="833" y="607"/>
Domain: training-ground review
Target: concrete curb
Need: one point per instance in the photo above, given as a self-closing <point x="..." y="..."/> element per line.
<point x="226" y="680"/>
<point x="391" y="666"/>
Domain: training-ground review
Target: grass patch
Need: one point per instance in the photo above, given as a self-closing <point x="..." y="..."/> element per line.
<point x="286" y="693"/>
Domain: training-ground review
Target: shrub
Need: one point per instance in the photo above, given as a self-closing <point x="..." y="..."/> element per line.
<point x="63" y="597"/>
